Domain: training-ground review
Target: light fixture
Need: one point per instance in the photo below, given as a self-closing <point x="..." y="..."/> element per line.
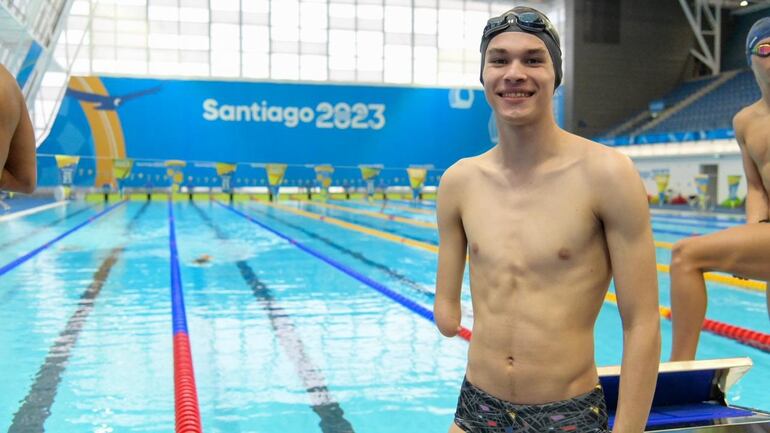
<point x="744" y="3"/>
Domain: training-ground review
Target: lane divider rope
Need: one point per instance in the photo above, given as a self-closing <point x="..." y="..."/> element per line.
<point x="402" y="300"/>
<point x="322" y="400"/>
<point x="187" y="410"/>
<point x="378" y="215"/>
<point x="36" y="406"/>
<point x="756" y="339"/>
<point x="759" y="286"/>
<point x="723" y="329"/>
<point x="406" y="220"/>
<point x="42" y="228"/>
<point x="355" y="227"/>
<point x="694" y="223"/>
<point x="39" y="249"/>
<point x="31" y="211"/>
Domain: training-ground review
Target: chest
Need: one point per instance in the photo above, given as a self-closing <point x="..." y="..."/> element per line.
<point x="531" y="225"/>
<point x="757" y="140"/>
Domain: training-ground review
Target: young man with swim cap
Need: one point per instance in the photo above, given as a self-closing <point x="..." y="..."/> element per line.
<point x="744" y="250"/>
<point x="18" y="166"/>
<point x="546" y="219"/>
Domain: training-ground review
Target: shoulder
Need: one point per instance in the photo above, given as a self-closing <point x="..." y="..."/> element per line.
<point x="613" y="179"/>
<point x="459" y="173"/>
<point x="606" y="165"/>
<point x="743" y="119"/>
<point x="9" y="91"/>
<point x="11" y="101"/>
<point x="617" y="190"/>
<point x="453" y="183"/>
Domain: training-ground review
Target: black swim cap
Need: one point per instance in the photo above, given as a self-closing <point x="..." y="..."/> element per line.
<point x="758" y="32"/>
<point x="526" y="20"/>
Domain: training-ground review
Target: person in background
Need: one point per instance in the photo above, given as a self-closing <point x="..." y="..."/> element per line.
<point x="18" y="165"/>
<point x="743" y="251"/>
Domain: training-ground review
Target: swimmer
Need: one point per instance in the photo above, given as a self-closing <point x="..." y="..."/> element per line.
<point x="202" y="259"/>
<point x="744" y="250"/>
<point x="546" y="218"/>
<point x="18" y="166"/>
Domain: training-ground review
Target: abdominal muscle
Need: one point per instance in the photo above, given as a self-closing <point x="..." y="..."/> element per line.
<point x="532" y="350"/>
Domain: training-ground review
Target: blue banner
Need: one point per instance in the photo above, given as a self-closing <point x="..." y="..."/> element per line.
<point x="293" y="123"/>
<point x="669" y="137"/>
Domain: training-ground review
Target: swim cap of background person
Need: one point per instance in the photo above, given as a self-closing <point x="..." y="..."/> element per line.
<point x="544" y="236"/>
<point x="759" y="32"/>
<point x="525" y="20"/>
<point x="744" y="250"/>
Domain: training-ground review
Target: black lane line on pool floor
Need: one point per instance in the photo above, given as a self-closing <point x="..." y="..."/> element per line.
<point x="43" y="227"/>
<point x="323" y="404"/>
<point x="355" y="254"/>
<point x="36" y="407"/>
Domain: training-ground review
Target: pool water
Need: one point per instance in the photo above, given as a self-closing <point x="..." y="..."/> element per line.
<point x="281" y="340"/>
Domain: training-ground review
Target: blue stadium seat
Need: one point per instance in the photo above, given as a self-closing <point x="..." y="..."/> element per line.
<point x="716" y="109"/>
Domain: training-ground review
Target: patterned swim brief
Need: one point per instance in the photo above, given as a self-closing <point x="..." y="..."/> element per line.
<point x="479" y="412"/>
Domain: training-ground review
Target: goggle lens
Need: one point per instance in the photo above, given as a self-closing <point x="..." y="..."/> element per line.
<point x="762" y="50"/>
<point x="530" y="21"/>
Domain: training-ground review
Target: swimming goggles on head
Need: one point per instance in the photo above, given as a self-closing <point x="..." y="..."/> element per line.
<point x="761" y="50"/>
<point x="528" y="21"/>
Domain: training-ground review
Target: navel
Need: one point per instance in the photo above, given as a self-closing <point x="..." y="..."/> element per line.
<point x="564" y="254"/>
<point x="474" y="247"/>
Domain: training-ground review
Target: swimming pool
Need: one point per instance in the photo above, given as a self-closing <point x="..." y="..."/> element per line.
<point x="282" y="341"/>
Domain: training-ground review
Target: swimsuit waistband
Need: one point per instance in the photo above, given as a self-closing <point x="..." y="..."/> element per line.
<point x="596" y="389"/>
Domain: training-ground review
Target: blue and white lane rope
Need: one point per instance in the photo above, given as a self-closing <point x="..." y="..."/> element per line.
<point x="37" y="250"/>
<point x="404" y="301"/>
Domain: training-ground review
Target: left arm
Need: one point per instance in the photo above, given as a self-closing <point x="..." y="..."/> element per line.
<point x="624" y="212"/>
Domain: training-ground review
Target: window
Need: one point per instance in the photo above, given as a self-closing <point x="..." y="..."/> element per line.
<point x="433" y="42"/>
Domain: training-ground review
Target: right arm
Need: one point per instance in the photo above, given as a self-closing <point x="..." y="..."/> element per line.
<point x="451" y="254"/>
<point x="756" y="196"/>
<point x="18" y="170"/>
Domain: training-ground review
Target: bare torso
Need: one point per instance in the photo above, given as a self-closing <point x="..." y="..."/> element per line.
<point x="17" y="138"/>
<point x="539" y="270"/>
<point x="8" y="113"/>
<point x="754" y="127"/>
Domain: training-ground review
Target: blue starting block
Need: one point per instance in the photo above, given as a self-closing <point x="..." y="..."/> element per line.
<point x="690" y="398"/>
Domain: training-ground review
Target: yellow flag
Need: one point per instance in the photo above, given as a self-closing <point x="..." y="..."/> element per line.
<point x="702" y="182"/>
<point x="323" y="174"/>
<point x="275" y="173"/>
<point x="370" y="171"/>
<point x="64" y="161"/>
<point x="224" y="168"/>
<point x="121" y="168"/>
<point x="175" y="163"/>
<point x="661" y="179"/>
<point x="417" y="176"/>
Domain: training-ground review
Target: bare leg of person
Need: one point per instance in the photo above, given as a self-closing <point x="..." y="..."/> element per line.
<point x="743" y="251"/>
<point x="688" y="301"/>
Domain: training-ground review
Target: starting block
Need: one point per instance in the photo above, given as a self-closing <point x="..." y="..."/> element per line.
<point x="690" y="398"/>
